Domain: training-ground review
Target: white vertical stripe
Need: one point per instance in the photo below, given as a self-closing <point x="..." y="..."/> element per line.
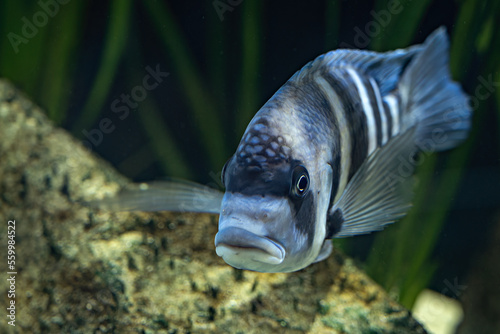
<point x="391" y="101"/>
<point x="345" y="135"/>
<point x="367" y="108"/>
<point x="381" y="111"/>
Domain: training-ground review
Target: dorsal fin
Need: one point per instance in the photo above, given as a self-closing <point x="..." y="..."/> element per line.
<point x="386" y="68"/>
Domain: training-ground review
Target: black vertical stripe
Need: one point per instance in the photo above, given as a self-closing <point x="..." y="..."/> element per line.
<point x="345" y="88"/>
<point x="314" y="103"/>
<point x="399" y="110"/>
<point x="317" y="117"/>
<point x="305" y="215"/>
<point x="334" y="224"/>
<point x="372" y="98"/>
<point x="388" y="116"/>
<point x="387" y="107"/>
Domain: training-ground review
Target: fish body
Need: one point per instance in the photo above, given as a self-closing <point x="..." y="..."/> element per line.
<point x="329" y="155"/>
<point x="322" y="157"/>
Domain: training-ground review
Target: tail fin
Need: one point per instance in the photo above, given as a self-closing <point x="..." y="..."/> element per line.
<point x="432" y="100"/>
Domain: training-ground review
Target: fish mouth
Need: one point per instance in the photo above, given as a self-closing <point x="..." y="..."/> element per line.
<point x="239" y="247"/>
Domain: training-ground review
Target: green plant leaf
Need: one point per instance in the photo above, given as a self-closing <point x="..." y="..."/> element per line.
<point x="204" y="113"/>
<point x="116" y="39"/>
<point x="23" y="45"/>
<point x="248" y="102"/>
<point x="398" y="28"/>
<point x="56" y="82"/>
<point x="332" y="24"/>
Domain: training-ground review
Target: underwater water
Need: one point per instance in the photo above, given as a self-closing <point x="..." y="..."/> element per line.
<point x="166" y="89"/>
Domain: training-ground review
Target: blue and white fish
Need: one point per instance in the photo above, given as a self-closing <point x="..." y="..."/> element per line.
<point x="329" y="155"/>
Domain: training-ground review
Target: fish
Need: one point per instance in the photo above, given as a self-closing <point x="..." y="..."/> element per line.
<point x="330" y="155"/>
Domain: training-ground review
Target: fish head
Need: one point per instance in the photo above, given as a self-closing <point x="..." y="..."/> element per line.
<point x="273" y="212"/>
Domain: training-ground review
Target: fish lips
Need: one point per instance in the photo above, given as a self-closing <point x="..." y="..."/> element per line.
<point x="239" y="247"/>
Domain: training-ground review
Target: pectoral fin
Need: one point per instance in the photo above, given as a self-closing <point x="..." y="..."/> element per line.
<point x="180" y="196"/>
<point x="380" y="192"/>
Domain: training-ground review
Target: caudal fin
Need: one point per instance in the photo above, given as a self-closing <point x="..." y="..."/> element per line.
<point x="430" y="98"/>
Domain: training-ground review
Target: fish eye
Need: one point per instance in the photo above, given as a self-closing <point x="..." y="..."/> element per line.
<point x="300" y="181"/>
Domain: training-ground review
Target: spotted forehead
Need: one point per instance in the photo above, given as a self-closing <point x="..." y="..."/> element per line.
<point x="262" y="144"/>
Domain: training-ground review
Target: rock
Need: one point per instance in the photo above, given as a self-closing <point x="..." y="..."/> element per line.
<point x="85" y="271"/>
